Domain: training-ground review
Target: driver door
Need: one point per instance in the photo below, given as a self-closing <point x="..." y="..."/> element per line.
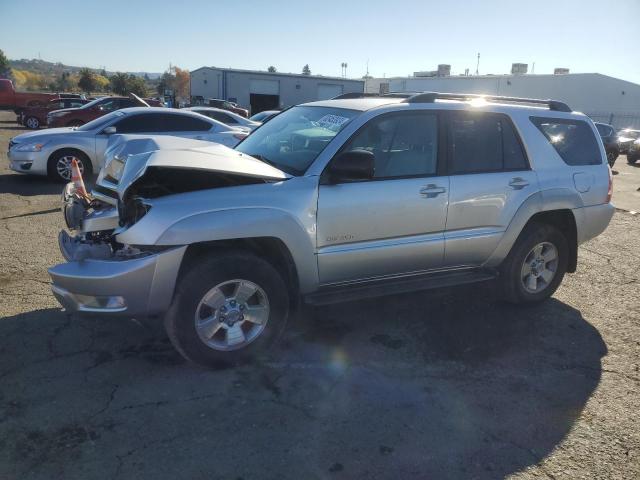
<point x="394" y="223"/>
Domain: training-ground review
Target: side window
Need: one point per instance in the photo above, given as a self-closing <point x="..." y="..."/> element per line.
<point x="228" y="119"/>
<point x="182" y="123"/>
<point x="141" y="123"/>
<point x="404" y="144"/>
<point x="109" y="105"/>
<point x="483" y="142"/>
<point x="572" y="139"/>
<point x="126" y="103"/>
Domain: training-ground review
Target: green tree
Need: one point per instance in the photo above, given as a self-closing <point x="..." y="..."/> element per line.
<point x="87" y="81"/>
<point x="272" y="69"/>
<point x="306" y="70"/>
<point x="167" y="82"/>
<point x="136" y="85"/>
<point x="119" y="83"/>
<point x="64" y="82"/>
<point x="5" y="68"/>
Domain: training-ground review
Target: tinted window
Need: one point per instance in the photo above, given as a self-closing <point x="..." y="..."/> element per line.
<point x="182" y="123"/>
<point x="572" y="139"/>
<point x="219" y="116"/>
<point x="481" y="142"/>
<point x="403" y="144"/>
<point x="127" y="102"/>
<point x="141" y="123"/>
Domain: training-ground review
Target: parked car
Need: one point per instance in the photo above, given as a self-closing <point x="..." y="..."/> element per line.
<point x="227" y="105"/>
<point x="610" y="141"/>
<point x="74" y="117"/>
<point x="626" y="137"/>
<point x="225" y="116"/>
<point x="339" y="200"/>
<point x="50" y="152"/>
<point x="11" y="99"/>
<point x="264" y="116"/>
<point x="633" y="153"/>
<point x="36" y="117"/>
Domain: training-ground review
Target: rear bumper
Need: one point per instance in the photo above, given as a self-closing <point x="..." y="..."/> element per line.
<point x="592" y="221"/>
<point x="137" y="287"/>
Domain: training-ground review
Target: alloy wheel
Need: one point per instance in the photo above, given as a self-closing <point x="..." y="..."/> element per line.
<point x="231" y="315"/>
<point x="539" y="267"/>
<point x="63" y="166"/>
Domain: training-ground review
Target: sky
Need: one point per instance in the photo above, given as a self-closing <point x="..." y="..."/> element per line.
<point x="395" y="38"/>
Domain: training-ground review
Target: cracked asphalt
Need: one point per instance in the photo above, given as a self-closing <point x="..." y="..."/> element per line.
<point x="444" y="384"/>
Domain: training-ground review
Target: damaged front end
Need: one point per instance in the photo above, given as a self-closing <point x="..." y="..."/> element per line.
<point x="104" y="275"/>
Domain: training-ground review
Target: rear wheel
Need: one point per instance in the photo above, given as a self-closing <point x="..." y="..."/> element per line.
<point x="32" y="123"/>
<point x="536" y="264"/>
<point x="59" y="166"/>
<point x="227" y="309"/>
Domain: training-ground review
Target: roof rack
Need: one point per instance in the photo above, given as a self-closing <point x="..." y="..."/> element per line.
<point x="351" y="95"/>
<point x="431" y="97"/>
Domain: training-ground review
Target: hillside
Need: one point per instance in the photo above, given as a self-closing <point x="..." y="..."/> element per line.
<point x="55" y="68"/>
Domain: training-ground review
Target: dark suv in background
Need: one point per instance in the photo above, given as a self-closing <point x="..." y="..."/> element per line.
<point x="610" y="140"/>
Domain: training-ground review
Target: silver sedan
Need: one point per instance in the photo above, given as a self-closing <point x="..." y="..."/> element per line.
<point x="51" y="152"/>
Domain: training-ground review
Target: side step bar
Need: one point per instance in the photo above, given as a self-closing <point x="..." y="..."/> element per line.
<point x="379" y="288"/>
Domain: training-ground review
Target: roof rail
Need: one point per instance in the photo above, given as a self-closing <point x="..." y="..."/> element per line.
<point x="431" y="97"/>
<point x="351" y="95"/>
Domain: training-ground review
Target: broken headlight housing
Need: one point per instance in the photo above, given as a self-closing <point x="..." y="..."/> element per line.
<point x="114" y="168"/>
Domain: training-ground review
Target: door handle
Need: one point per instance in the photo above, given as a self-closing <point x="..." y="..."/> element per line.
<point x="432" y="190"/>
<point x="518" y="183"/>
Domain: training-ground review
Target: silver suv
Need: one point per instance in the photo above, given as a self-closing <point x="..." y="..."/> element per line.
<point x="334" y="201"/>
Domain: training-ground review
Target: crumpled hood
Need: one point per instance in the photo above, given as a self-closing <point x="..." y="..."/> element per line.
<point x="142" y="153"/>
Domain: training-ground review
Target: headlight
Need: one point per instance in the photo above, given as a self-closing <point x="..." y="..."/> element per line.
<point x="114" y="168"/>
<point x="29" y="147"/>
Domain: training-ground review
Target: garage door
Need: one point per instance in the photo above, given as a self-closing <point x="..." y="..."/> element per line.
<point x="327" y="91"/>
<point x="264" y="87"/>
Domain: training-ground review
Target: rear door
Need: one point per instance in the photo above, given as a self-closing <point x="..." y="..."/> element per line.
<point x="394" y="223"/>
<point x="490" y="178"/>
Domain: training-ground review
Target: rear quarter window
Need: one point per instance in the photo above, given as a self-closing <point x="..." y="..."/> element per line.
<point x="574" y="140"/>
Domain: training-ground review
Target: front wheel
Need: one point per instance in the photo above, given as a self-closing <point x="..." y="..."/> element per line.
<point x="32" y="122"/>
<point x="227" y="308"/>
<point x="536" y="264"/>
<point x="59" y="166"/>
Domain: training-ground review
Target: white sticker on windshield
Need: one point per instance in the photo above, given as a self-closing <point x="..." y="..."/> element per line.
<point x="332" y="122"/>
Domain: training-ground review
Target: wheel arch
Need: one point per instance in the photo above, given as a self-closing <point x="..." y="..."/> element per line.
<point x="75" y="150"/>
<point x="565" y="221"/>
<point x="271" y="249"/>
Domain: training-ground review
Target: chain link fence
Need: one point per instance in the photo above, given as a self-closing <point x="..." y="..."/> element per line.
<point x="618" y="120"/>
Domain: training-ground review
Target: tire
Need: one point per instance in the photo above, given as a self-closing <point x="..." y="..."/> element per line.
<point x="631" y="160"/>
<point x="219" y="274"/>
<point x="54" y="167"/>
<point x="611" y="158"/>
<point x="32" y="122"/>
<point x="75" y="123"/>
<point x="516" y="284"/>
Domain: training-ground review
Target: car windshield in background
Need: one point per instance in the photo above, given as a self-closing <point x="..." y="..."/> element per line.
<point x="100" y="122"/>
<point x="295" y="138"/>
<point x="258" y="117"/>
<point x="92" y="103"/>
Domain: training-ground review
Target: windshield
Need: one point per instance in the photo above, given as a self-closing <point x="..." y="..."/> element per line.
<point x="101" y="122"/>
<point x="258" y="117"/>
<point x="92" y="102"/>
<point x="295" y="138"/>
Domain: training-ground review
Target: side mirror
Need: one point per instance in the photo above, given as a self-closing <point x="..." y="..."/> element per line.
<point x="352" y="166"/>
<point x="110" y="130"/>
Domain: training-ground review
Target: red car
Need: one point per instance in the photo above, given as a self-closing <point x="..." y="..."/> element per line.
<point x="36" y="117"/>
<point x="74" y="117"/>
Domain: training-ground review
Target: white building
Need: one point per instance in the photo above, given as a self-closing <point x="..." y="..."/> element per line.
<point x="265" y="90"/>
<point x="605" y="99"/>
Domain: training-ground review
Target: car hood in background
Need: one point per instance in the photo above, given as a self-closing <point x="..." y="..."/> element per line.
<point x="42" y="134"/>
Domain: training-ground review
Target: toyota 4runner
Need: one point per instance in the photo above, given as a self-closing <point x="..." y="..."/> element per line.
<point x="334" y="201"/>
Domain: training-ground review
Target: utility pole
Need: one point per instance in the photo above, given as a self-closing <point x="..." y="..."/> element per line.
<point x="478" y="65"/>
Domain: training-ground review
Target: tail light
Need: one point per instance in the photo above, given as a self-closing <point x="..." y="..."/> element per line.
<point x="610" y="190"/>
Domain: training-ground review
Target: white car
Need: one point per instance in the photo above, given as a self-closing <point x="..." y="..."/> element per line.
<point x="50" y="152"/>
<point x="228" y="118"/>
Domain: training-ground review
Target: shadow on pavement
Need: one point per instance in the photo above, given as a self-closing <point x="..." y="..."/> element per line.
<point x="29" y="185"/>
<point x="429" y="385"/>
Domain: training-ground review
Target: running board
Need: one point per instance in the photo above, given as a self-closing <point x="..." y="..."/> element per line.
<point x="379" y="288"/>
